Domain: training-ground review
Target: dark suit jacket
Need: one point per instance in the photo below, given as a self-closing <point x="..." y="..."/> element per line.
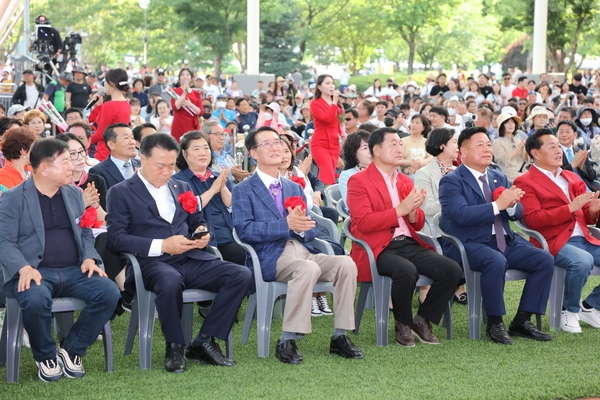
<point x="109" y="171"/>
<point x="134" y="221"/>
<point x="465" y="212"/>
<point x="258" y="222"/>
<point x="587" y="173"/>
<point x="22" y="235"/>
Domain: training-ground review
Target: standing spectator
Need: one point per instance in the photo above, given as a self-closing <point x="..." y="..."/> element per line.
<point x="55" y="91"/>
<point x="78" y="93"/>
<point x="188" y="108"/>
<point x="138" y="92"/>
<point x="29" y="93"/>
<point x="117" y="110"/>
<point x="325" y="141"/>
<point x="160" y="86"/>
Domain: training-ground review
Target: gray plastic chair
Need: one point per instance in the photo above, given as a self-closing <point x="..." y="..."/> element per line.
<point x="143" y="309"/>
<point x="342" y="209"/>
<point x="12" y="331"/>
<point x="262" y="302"/>
<point x="332" y="195"/>
<point x="382" y="290"/>
<point x="473" y="279"/>
<point x="325" y="223"/>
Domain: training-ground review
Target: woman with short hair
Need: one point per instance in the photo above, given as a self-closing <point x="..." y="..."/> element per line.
<point x="16" y="144"/>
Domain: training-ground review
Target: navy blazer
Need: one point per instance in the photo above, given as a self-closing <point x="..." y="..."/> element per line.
<point x="465" y="212"/>
<point x="109" y="171"/>
<point x="22" y="235"/>
<point x="134" y="221"/>
<point x="258" y="222"/>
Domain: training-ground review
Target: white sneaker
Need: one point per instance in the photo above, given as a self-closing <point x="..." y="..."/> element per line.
<point x="590" y="316"/>
<point x="316" y="312"/>
<point x="49" y="370"/>
<point x="569" y="322"/>
<point x="323" y="306"/>
<point x="72" y="366"/>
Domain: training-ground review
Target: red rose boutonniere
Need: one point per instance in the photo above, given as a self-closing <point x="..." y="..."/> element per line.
<point x="89" y="219"/>
<point x="299" y="180"/>
<point x="188" y="201"/>
<point x="497" y="192"/>
<point x="293" y="202"/>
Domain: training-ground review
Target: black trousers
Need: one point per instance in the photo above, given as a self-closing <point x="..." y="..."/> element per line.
<point x="233" y="252"/>
<point x="404" y="261"/>
<point x="230" y="281"/>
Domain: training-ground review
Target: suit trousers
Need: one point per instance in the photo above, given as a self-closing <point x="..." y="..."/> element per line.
<point x="230" y="281"/>
<point x="403" y="261"/>
<point x="301" y="270"/>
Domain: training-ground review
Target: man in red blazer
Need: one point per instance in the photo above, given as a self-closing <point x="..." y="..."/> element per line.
<point x="386" y="213"/>
<point x="557" y="205"/>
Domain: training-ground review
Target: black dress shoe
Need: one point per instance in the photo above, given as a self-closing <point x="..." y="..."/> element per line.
<point x="209" y="353"/>
<point x="498" y="334"/>
<point x="174" y="361"/>
<point x="529" y="331"/>
<point x="287" y="352"/>
<point x="343" y="346"/>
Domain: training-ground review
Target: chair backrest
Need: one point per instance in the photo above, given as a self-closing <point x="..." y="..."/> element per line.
<point x="346" y="229"/>
<point x="342" y="209"/>
<point x="534" y="234"/>
<point x="326" y="224"/>
<point x="258" y="278"/>
<point x="332" y="195"/>
<point x="452" y="239"/>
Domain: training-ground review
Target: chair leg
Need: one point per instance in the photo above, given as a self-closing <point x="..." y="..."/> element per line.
<point x="229" y="346"/>
<point x="146" y="319"/>
<point x="474" y="306"/>
<point x="64" y="322"/>
<point x="250" y="313"/>
<point x="133" y="327"/>
<point x="187" y="322"/>
<point x="3" y="341"/>
<point x="108" y="347"/>
<point x="14" y="323"/>
<point x="557" y="292"/>
<point x="382" y="310"/>
<point x="538" y="318"/>
<point x="365" y="289"/>
<point x="264" y="316"/>
<point x="447" y="322"/>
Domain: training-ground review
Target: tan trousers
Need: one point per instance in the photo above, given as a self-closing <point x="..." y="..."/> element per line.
<point x="301" y="270"/>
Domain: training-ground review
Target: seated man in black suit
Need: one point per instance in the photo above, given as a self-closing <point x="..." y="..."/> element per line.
<point x="575" y="160"/>
<point x="121" y="164"/>
<point x="154" y="217"/>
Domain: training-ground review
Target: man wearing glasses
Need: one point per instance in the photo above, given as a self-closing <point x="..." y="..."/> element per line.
<point x="281" y="239"/>
<point x="507" y="87"/>
<point x="222" y="159"/>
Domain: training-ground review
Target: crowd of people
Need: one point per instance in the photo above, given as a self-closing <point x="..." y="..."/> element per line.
<point x="162" y="170"/>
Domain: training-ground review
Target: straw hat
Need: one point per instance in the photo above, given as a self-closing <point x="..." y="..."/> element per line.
<point x="538" y="110"/>
<point x="502" y="118"/>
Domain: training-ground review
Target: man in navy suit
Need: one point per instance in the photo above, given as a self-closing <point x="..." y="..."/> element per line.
<point x="280" y="238"/>
<point x="121" y="164"/>
<point x="146" y="218"/>
<point x="470" y="213"/>
<point x="48" y="254"/>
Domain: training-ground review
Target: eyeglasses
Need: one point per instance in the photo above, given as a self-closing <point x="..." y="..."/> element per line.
<point x="348" y="119"/>
<point x="221" y="135"/>
<point x="522" y="104"/>
<point x="268" y="145"/>
<point x="507" y="79"/>
<point x="76" y="154"/>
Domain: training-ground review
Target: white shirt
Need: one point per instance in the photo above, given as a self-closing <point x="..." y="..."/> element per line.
<point x="507" y="90"/>
<point x="563" y="184"/>
<point x="121" y="165"/>
<point x="267" y="180"/>
<point x="510" y="211"/>
<point x="166" y="208"/>
<point x="32" y="96"/>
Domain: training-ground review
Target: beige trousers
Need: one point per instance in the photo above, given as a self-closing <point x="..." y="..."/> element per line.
<point x="301" y="270"/>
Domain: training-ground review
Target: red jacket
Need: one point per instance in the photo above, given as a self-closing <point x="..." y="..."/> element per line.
<point x="546" y="209"/>
<point x="327" y="124"/>
<point x="374" y="219"/>
<point x="110" y="113"/>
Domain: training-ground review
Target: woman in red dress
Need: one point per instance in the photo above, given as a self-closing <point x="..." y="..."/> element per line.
<point x="189" y="99"/>
<point x="113" y="111"/>
<point x="325" y="141"/>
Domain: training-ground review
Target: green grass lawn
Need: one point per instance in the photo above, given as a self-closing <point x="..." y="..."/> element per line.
<point x="461" y="368"/>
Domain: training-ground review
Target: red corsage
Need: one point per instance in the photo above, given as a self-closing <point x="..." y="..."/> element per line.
<point x="188" y="201"/>
<point x="299" y="180"/>
<point x="89" y="219"/>
<point x="498" y="192"/>
<point x="293" y="202"/>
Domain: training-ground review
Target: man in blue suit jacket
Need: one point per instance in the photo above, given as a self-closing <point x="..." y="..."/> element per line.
<point x="41" y="241"/>
<point x="469" y="213"/>
<point x="280" y="238"/>
<point x="147" y="218"/>
<point x="121" y="164"/>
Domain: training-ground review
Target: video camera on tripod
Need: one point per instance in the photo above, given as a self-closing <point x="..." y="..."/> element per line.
<point x="72" y="46"/>
<point x="46" y="43"/>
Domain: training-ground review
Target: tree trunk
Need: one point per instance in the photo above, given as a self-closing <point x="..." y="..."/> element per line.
<point x="411" y="54"/>
<point x="217" y="60"/>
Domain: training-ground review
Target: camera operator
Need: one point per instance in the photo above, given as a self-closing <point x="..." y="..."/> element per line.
<point x="30" y="92"/>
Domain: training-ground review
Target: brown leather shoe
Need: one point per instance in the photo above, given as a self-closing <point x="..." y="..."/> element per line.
<point x="422" y="330"/>
<point x="404" y="335"/>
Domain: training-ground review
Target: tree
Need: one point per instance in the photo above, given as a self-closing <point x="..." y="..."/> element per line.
<point x="278" y="50"/>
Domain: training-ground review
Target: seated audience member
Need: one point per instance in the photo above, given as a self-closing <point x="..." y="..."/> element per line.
<point x="350" y="121"/>
<point x="442" y="145"/>
<point x="246" y="115"/>
<point x="16" y="144"/>
<point x="194" y="163"/>
<point x="53" y="258"/>
<point x="573" y="160"/>
<point x="6" y="123"/>
<point x="386" y="213"/>
<point x="140" y="132"/>
<point x="557" y="205"/>
<point x="480" y="222"/>
<point x="163" y="119"/>
<point x="36" y="121"/>
<point x="587" y="121"/>
<point x="356" y="156"/>
<point x="509" y="152"/>
<point x="136" y="118"/>
<point x="281" y="238"/>
<point x="73" y="115"/>
<point x="121" y="164"/>
<point x="538" y="118"/>
<point x="148" y="218"/>
<point x="222" y="159"/>
<point x="413" y="146"/>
